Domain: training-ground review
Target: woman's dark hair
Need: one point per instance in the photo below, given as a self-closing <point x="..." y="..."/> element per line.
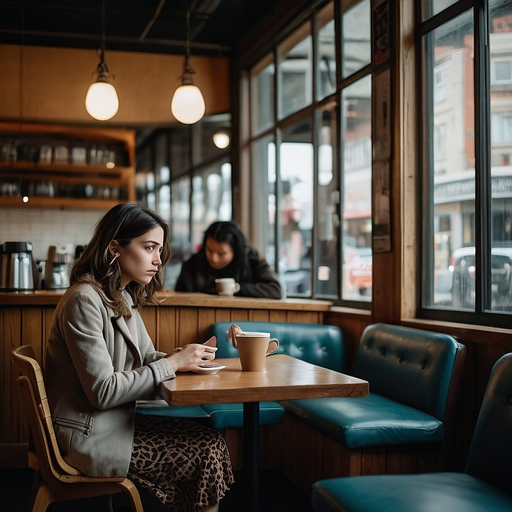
<point x="229" y="232"/>
<point x="122" y="223"/>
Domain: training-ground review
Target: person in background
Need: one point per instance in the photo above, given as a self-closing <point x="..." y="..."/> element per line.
<point x="100" y="360"/>
<point x="226" y="253"/>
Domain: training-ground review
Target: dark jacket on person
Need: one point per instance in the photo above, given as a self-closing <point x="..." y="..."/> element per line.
<point x="258" y="280"/>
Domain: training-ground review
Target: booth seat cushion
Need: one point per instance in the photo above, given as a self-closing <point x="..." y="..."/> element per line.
<point x="318" y="344"/>
<point x="160" y="408"/>
<point x="402" y="493"/>
<point x="370" y="421"/>
<point x="223" y="416"/>
<point x="219" y="416"/>
<point x="409" y="371"/>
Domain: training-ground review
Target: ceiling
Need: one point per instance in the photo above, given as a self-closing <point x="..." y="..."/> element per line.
<point x="156" y="26"/>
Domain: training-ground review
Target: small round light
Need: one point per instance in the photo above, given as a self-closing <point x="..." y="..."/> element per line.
<point x="101" y="101"/>
<point x="187" y="104"/>
<point x="221" y="139"/>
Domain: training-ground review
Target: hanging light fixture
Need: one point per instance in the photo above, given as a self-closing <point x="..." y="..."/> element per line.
<point x="221" y="138"/>
<point x="101" y="101"/>
<point x="187" y="104"/>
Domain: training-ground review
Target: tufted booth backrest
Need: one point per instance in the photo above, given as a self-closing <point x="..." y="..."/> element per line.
<point x="410" y="366"/>
<point x="490" y="453"/>
<point x="318" y="344"/>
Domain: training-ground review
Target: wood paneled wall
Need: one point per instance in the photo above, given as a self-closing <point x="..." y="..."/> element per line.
<point x="169" y="326"/>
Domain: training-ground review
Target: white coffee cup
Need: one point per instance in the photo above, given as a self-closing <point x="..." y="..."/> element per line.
<point x="253" y="349"/>
<point x="227" y="286"/>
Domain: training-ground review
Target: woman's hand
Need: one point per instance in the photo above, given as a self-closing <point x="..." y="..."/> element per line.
<point x="233" y="331"/>
<point x="192" y="356"/>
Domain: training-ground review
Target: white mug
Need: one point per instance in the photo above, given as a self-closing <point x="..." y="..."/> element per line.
<point x="227" y="286"/>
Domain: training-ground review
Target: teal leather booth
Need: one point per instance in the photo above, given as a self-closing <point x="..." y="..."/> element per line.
<point x="410" y="372"/>
<point x="319" y="344"/>
<point x="485" y="486"/>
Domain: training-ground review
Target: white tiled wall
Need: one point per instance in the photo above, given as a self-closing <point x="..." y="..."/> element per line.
<point x="44" y="227"/>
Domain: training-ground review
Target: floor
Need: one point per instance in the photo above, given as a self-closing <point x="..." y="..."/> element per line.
<point x="277" y="495"/>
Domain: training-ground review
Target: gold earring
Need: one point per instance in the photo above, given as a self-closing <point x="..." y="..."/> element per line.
<point x="116" y="255"/>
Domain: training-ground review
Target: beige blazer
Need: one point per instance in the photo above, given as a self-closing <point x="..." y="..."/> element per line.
<point x="97" y="366"/>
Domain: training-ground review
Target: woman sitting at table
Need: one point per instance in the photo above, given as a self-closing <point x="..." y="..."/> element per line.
<point x="226" y="253"/>
<point x="100" y="360"/>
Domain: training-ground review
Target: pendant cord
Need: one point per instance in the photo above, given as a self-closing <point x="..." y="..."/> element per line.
<point x="103" y="30"/>
<point x="187" y="47"/>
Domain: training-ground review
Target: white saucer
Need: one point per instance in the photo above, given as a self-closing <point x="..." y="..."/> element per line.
<point x="210" y="368"/>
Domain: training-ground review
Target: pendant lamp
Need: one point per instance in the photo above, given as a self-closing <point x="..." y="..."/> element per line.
<point x="221" y="138"/>
<point x="187" y="104"/>
<point x="101" y="101"/>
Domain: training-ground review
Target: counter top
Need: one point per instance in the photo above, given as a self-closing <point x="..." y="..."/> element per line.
<point x="172" y="298"/>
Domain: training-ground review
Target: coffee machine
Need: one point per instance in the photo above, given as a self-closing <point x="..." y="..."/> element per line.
<point x="18" y="270"/>
<point x="58" y="266"/>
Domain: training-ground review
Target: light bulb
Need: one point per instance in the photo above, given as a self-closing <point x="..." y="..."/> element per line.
<point x="187" y="104"/>
<point x="101" y="101"/>
<point x="221" y="139"/>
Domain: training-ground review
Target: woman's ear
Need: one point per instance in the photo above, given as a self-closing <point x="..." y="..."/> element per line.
<point x="114" y="248"/>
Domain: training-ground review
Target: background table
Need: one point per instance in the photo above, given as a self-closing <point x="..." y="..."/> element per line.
<point x="286" y="378"/>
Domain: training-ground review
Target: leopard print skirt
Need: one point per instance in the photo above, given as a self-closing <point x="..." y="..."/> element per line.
<point x="184" y="464"/>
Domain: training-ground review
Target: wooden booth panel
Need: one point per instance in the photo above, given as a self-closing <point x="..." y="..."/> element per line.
<point x="180" y="319"/>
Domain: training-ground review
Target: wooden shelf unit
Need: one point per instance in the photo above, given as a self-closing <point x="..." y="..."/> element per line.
<point x="65" y="182"/>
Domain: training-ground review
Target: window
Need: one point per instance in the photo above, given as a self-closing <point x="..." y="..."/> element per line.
<point x="467" y="245"/>
<point x="357" y="177"/>
<point x="262" y="94"/>
<point x="501" y="71"/>
<point x="355" y="40"/>
<point x="295" y="72"/>
<point x="501" y="127"/>
<point x="312" y="154"/>
<point x="326" y="65"/>
<point x="189" y="193"/>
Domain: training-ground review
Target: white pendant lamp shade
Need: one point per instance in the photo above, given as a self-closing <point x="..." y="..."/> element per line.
<point x="101" y="101"/>
<point x="221" y="139"/>
<point x="187" y="104"/>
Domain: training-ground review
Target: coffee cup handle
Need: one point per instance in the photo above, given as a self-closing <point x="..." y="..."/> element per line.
<point x="237" y="287"/>
<point x="273" y="345"/>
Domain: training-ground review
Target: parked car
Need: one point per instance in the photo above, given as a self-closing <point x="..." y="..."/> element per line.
<point x="463" y="278"/>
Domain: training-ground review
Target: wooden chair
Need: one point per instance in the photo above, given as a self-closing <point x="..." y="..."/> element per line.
<point x="56" y="480"/>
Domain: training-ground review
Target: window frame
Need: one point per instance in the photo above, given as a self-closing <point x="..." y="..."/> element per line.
<point x="482" y="177"/>
<point x="308" y="113"/>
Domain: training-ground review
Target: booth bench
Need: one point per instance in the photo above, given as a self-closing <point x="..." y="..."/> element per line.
<point x="402" y="426"/>
<point x="483" y="487"/>
<point x="319" y="344"/>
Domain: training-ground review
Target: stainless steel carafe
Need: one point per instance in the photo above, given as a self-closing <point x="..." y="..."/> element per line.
<point x="18" y="270"/>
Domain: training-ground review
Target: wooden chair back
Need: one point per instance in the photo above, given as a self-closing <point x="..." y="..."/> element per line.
<point x="54" y="470"/>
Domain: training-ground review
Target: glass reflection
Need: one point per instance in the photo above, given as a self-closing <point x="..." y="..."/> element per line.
<point x="357" y="178"/>
<point x="296" y="208"/>
<point x="356" y="48"/>
<point x="326" y="53"/>
<point x="500" y="47"/>
<point x="295" y="72"/>
<point x="326" y="274"/>
<point x="449" y="52"/>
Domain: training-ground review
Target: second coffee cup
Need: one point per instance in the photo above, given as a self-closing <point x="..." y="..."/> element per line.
<point x="226" y="286"/>
<point x="253" y="348"/>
